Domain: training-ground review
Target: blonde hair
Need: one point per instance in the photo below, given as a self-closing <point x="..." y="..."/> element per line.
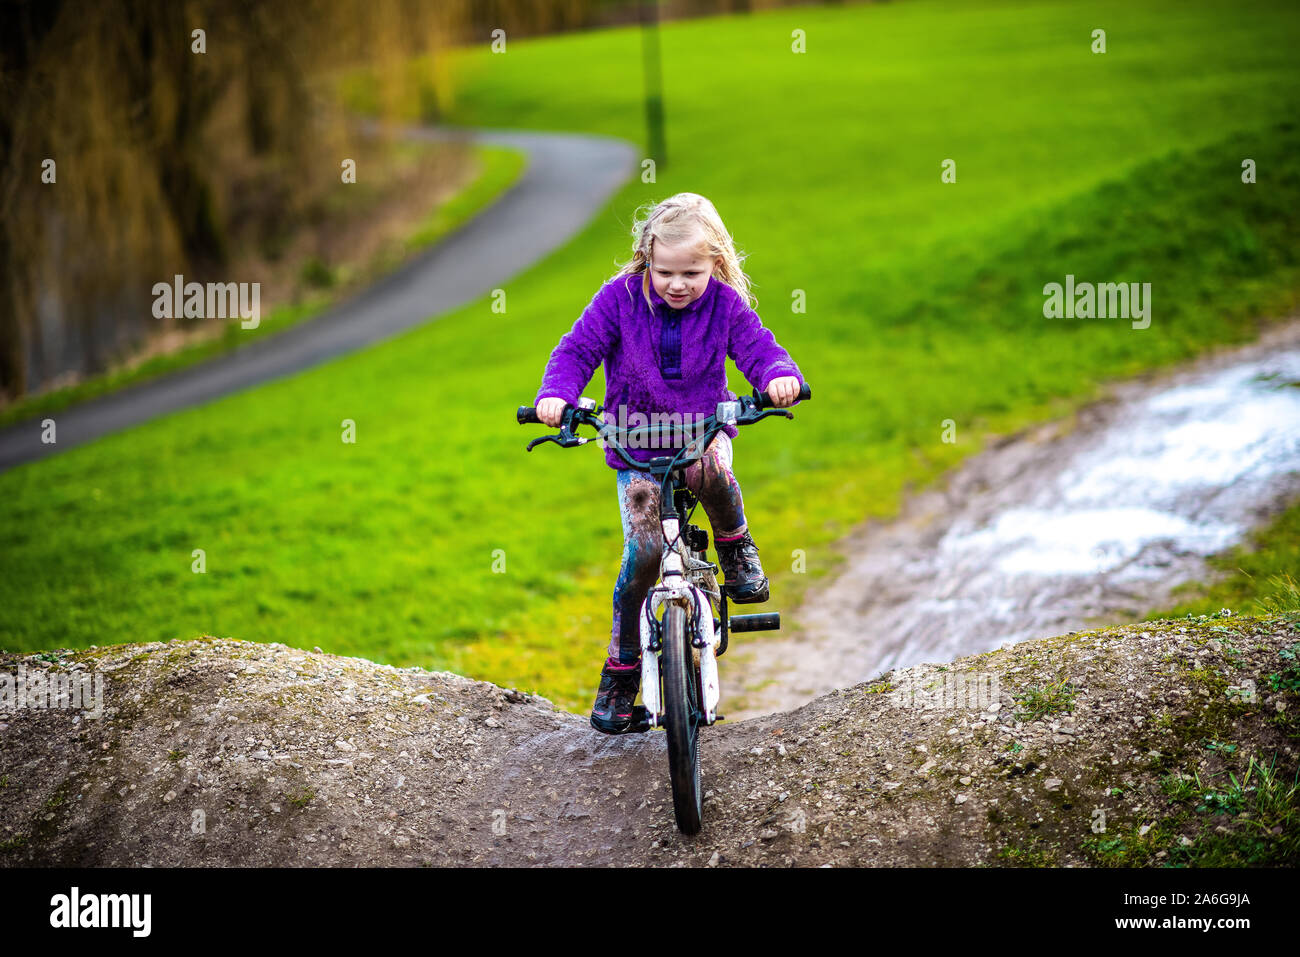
<point x="675" y="220"/>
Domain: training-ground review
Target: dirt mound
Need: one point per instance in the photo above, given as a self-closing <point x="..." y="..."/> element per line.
<point x="1097" y="747"/>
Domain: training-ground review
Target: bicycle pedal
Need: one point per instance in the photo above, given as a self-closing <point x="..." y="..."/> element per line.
<point x="640" y="720"/>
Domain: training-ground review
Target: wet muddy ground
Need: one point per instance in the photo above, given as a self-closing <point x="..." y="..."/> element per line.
<point x="1092" y="520"/>
<point x="219" y="753"/>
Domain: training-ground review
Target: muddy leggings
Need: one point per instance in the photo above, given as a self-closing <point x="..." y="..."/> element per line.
<point x="713" y="483"/>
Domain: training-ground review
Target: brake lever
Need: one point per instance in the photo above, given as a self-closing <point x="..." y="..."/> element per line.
<point x="565" y="438"/>
<point x="544" y="438"/>
<point x="750" y="420"/>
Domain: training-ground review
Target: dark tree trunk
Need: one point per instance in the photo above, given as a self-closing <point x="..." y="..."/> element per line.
<point x="23" y="24"/>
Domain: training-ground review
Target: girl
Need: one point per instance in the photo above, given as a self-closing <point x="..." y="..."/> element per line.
<point x="664" y="325"/>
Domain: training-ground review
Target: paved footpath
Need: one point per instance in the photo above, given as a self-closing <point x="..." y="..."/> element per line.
<point x="567" y="180"/>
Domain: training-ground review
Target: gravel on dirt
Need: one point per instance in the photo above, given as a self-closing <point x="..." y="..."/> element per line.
<point x="215" y="751"/>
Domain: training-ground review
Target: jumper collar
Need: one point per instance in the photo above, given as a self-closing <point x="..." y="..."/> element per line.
<point x="690" y="307"/>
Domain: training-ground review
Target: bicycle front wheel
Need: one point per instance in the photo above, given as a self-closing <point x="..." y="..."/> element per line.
<point x="682" y="720"/>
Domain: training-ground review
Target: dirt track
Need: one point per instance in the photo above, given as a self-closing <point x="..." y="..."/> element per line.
<point x="296" y="758"/>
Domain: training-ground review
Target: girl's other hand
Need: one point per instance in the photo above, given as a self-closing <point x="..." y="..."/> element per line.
<point x="782" y="391"/>
<point x="551" y="410"/>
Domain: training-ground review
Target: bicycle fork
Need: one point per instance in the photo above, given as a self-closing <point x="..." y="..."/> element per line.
<point x="675" y="588"/>
<point x="703" y="639"/>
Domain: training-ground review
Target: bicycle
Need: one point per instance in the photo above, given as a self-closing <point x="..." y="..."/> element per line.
<point x="684" y="682"/>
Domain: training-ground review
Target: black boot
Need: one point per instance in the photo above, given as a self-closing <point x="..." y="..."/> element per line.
<point x="746" y="583"/>
<point x="613" y="712"/>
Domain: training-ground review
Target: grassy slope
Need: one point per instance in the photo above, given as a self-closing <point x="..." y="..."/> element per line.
<point x="1254" y="577"/>
<point x="924" y="304"/>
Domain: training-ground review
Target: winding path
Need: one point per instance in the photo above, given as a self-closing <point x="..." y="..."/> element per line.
<point x="568" y="180"/>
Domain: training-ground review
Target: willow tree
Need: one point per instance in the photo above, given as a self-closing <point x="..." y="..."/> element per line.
<point x="173" y="124"/>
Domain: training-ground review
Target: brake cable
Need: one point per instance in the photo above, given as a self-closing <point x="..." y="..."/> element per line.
<point x="604" y="429"/>
<point x="683" y="520"/>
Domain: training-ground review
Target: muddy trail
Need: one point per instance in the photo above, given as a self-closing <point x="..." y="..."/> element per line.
<point x="1087" y="521"/>
<point x="219" y="752"/>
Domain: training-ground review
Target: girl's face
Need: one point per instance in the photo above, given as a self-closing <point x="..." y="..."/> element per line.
<point x="680" y="273"/>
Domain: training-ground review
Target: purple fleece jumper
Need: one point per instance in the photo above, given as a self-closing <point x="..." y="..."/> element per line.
<point x="618" y="328"/>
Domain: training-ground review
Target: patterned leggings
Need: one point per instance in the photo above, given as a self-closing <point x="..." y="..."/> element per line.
<point x="713" y="483"/>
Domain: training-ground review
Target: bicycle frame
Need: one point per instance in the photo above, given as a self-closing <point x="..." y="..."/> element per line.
<point x="682" y="581"/>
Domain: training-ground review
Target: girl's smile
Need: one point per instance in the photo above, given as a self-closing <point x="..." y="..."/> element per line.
<point x="679" y="273"/>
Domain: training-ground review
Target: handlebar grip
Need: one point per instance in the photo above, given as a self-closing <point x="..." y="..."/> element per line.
<point x="527" y="415"/>
<point x="763" y="401"/>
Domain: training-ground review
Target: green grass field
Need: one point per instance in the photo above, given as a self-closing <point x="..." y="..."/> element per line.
<point x="1255" y="577"/>
<point x="924" y="304"/>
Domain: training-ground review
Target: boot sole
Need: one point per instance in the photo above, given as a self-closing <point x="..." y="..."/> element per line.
<point x="614" y="727"/>
<point x="638" y="724"/>
<point x="751" y="599"/>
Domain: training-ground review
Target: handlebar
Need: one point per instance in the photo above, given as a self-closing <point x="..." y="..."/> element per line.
<point x="527" y="414"/>
<point x="746" y="410"/>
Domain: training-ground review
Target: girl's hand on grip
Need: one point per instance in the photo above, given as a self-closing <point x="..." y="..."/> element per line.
<point x="551" y="410"/>
<point x="783" y="391"/>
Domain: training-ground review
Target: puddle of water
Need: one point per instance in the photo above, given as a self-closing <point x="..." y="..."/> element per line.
<point x="1176" y="468"/>
<point x="1100" y="523"/>
<point x="1086" y="542"/>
